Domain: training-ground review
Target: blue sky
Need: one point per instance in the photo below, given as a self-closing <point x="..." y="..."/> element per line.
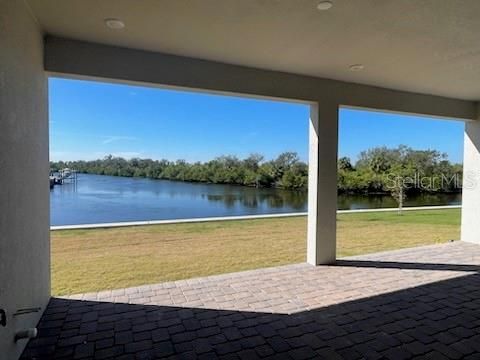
<point x="359" y="130"/>
<point x="89" y="120"/>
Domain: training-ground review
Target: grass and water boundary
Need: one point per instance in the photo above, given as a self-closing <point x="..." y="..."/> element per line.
<point x="233" y="218"/>
<point x="95" y="259"/>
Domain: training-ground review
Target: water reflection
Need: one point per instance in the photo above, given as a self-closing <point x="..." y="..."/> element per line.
<point x="253" y="199"/>
<point x="352" y="202"/>
<point x="97" y="199"/>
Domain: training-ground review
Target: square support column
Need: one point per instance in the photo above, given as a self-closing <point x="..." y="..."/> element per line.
<point x="24" y="194"/>
<point x="471" y="183"/>
<point x="322" y="184"/>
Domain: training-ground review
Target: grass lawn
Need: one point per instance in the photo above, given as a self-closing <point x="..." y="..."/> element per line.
<point x="99" y="259"/>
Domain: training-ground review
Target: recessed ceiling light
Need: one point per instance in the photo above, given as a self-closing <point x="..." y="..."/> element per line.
<point x="324" y="5"/>
<point x="356" y="67"/>
<point x="115" y="24"/>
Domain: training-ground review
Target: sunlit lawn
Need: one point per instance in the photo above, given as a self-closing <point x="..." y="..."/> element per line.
<point x="98" y="259"/>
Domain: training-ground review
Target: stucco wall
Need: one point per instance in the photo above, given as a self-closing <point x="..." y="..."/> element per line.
<point x="24" y="194"/>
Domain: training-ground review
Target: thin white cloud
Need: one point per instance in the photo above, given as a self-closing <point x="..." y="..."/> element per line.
<point x="114" y="138"/>
<point x="95" y="155"/>
<point x="71" y="155"/>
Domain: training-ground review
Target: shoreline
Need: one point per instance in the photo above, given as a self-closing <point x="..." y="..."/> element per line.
<point x="232" y="218"/>
<point x="303" y="189"/>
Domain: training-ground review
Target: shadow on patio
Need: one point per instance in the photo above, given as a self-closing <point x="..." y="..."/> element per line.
<point x="437" y="320"/>
<point x="406" y="265"/>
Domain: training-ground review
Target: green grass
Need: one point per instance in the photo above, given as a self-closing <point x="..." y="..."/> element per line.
<point x="98" y="259"/>
<point x="432" y="217"/>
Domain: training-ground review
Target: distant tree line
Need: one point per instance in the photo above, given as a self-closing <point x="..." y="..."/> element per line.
<point x="286" y="171"/>
<point x="397" y="171"/>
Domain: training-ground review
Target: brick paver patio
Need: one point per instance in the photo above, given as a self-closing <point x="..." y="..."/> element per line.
<point x="414" y="303"/>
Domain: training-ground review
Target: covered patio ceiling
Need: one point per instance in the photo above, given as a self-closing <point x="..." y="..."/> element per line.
<point x="428" y="46"/>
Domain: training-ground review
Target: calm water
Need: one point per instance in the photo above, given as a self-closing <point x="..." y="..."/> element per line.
<point x="98" y="199"/>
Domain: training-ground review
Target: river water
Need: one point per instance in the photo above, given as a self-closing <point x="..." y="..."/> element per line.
<point x="99" y="199"/>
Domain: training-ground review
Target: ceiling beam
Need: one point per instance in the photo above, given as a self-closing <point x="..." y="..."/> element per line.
<point x="79" y="58"/>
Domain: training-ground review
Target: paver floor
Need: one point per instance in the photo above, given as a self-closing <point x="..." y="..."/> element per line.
<point x="414" y="303"/>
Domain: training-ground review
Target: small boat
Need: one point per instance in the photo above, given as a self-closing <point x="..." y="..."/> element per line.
<point x="62" y="176"/>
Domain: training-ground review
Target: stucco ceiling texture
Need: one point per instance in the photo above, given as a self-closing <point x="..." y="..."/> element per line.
<point x="426" y="46"/>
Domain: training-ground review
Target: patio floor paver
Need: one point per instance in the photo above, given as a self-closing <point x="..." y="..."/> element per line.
<point x="413" y="303"/>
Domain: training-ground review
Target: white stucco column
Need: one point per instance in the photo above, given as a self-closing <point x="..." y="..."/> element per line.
<point x="471" y="183"/>
<point x="322" y="183"/>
